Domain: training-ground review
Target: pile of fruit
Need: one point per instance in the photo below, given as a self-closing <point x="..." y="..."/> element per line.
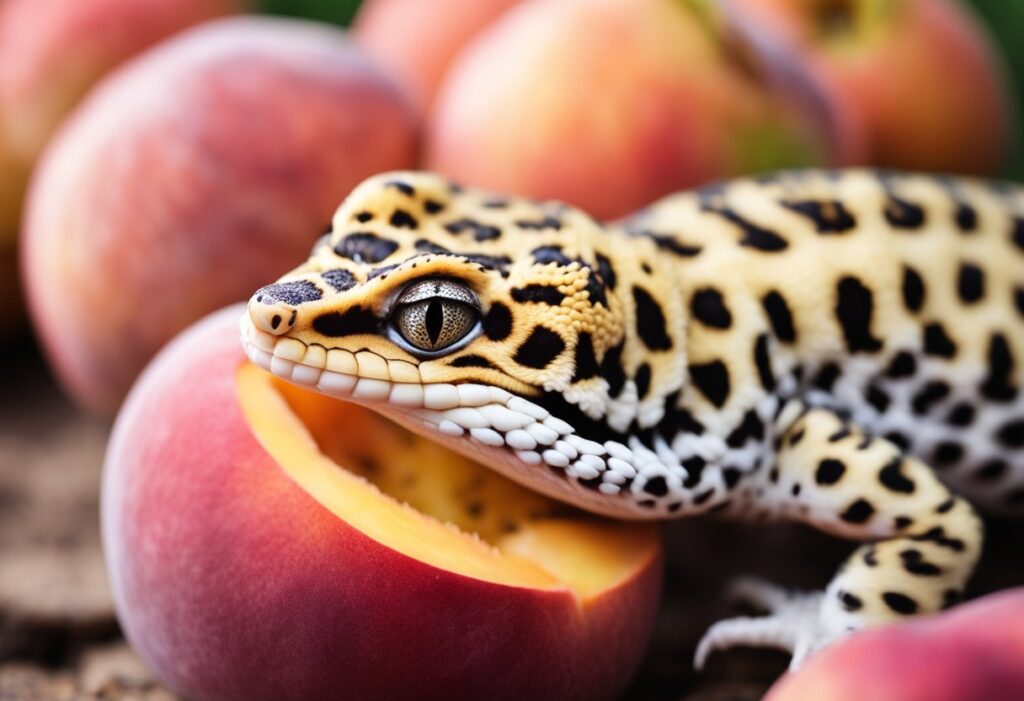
<point x="164" y="158"/>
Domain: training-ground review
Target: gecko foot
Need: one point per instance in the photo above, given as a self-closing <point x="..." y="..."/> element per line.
<point x="794" y="623"/>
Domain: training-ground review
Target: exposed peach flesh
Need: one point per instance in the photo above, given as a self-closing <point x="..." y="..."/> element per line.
<point x="429" y="503"/>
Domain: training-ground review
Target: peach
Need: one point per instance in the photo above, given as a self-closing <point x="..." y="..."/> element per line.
<point x="975" y="651"/>
<point x="608" y="105"/>
<point x="922" y="75"/>
<point x="188" y="178"/>
<point x="265" y="542"/>
<point x="417" y="40"/>
<point x="52" y="52"/>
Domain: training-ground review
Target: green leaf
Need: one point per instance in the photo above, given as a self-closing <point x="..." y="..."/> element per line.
<point x="339" y="12"/>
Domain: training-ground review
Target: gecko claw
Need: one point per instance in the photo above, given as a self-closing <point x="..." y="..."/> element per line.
<point x="794" y="623"/>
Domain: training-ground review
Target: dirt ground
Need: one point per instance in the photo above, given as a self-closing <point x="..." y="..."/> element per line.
<point x="59" y="638"/>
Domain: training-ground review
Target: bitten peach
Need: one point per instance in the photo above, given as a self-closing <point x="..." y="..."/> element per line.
<point x="608" y="105"/>
<point x="205" y="167"/>
<point x="265" y="542"/>
<point x="922" y="75"/>
<point x="417" y="40"/>
<point x="973" y="652"/>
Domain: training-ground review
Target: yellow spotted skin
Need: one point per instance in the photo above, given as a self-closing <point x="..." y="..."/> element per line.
<point x="840" y="348"/>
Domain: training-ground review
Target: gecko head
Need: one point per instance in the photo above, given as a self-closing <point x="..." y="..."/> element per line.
<point x="463" y="316"/>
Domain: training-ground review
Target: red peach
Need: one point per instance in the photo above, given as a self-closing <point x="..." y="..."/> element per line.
<point x="251" y="558"/>
<point x="417" y="40"/>
<point x="973" y="652"/>
<point x="191" y="176"/>
<point x="52" y="52"/>
<point x="922" y="75"/>
<point x="608" y="105"/>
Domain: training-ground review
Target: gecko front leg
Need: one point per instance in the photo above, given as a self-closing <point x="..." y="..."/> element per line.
<point x="922" y="541"/>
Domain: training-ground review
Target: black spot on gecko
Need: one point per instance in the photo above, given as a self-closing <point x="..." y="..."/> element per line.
<point x="961" y="415"/>
<point x="937" y="342"/>
<point x="854" y="309"/>
<point x="826" y="377"/>
<point x="542" y="294"/>
<point x="899" y="603"/>
<point x="763" y="361"/>
<point x="970" y="285"/>
<point x="481" y="232"/>
<point x="606" y="271"/>
<point x="1017" y="232"/>
<point x="1018" y="300"/>
<point x="656" y="486"/>
<point x="433" y="207"/>
<point x="903" y="365"/>
<point x="499" y="263"/>
<point x="586" y="361"/>
<point x="497" y="322"/>
<point x="403" y="187"/>
<point x="751" y="428"/>
<point x="938" y="536"/>
<point x="992" y="470"/>
<point x="829" y="471"/>
<point x="877" y="398"/>
<point x="364" y="247"/>
<point x="849" y="601"/>
<point x="643" y="380"/>
<point x="1011" y="434"/>
<point x="291" y="293"/>
<point x="425" y="246"/>
<point x="547" y="222"/>
<point x="828" y="216"/>
<point x="966" y="217"/>
<point x="381" y="272"/>
<point x="339" y="279"/>
<point x="779" y="316"/>
<point x="595" y="288"/>
<point x="914" y="563"/>
<point x="754" y="236"/>
<point x="902" y="214"/>
<point x="892" y="478"/>
<point x="612" y="371"/>
<point x="858" y="512"/>
<point x="471" y="361"/>
<point x="650" y="321"/>
<point x="354" y="320"/>
<point x="542" y="255"/>
<point x="928" y="396"/>
<point x="694" y="470"/>
<point x="670" y="243"/>
<point x="540" y="349"/>
<point x="913" y="290"/>
<point x="708" y="307"/>
<point x="997" y="385"/>
<point x="363" y="217"/>
<point x="712" y="379"/>
<point x="400" y="219"/>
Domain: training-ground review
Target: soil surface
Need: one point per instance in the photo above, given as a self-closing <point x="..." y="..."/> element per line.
<point x="59" y="637"/>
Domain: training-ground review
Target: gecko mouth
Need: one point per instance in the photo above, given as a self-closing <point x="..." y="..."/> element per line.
<point x="488" y="424"/>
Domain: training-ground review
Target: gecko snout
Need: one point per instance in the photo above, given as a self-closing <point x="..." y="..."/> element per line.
<point x="272" y="315"/>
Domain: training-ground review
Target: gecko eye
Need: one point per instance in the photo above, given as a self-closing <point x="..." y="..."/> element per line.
<point x="435" y="314"/>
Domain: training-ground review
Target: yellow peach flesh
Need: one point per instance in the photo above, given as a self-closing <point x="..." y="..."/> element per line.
<point x="421" y="499"/>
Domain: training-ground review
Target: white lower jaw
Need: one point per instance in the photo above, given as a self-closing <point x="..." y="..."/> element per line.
<point x="491" y="425"/>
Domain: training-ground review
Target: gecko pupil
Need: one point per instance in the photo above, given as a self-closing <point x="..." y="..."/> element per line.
<point x="434" y="321"/>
